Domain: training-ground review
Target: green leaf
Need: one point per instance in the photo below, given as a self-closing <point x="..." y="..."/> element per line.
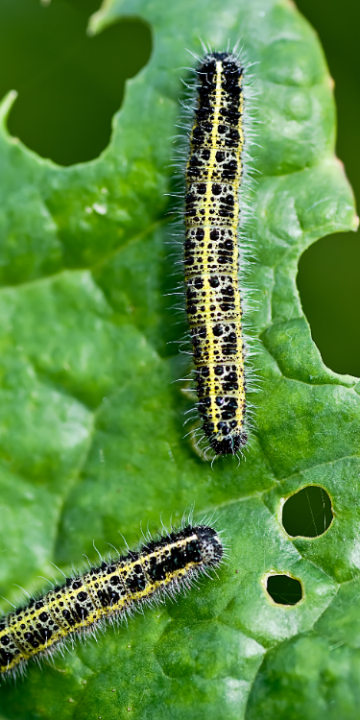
<point x="92" y="438"/>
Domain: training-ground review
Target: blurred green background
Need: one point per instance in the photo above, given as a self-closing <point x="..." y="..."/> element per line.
<point x="70" y="85"/>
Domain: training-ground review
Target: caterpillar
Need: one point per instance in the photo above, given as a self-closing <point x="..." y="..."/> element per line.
<point x="160" y="567"/>
<point x="213" y="177"/>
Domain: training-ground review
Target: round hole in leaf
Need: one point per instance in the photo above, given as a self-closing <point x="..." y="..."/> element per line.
<point x="284" y="590"/>
<point x="307" y="513"/>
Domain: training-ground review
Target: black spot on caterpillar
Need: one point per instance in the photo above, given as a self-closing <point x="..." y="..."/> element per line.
<point x="211" y="254"/>
<point x="110" y="591"/>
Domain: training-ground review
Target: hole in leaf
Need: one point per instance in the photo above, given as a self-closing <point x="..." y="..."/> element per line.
<point x="307" y="513"/>
<point x="333" y="312"/>
<point x="284" y="590"/>
<point x="328" y="282"/>
<point x="69" y="84"/>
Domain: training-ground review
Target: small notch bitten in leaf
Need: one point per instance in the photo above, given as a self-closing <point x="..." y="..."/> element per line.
<point x="69" y="85"/>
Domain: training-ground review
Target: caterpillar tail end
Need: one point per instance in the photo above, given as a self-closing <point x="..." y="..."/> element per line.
<point x="228" y="445"/>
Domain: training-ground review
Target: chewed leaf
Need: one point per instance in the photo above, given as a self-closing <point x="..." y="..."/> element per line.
<point x="92" y="438"/>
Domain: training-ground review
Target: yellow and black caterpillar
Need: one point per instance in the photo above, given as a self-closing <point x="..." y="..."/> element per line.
<point x="159" y="567"/>
<point x="211" y="257"/>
